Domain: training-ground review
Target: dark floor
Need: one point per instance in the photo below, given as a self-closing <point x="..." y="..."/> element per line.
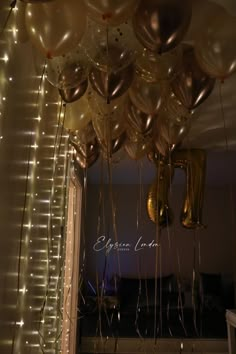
<point x="172" y="324"/>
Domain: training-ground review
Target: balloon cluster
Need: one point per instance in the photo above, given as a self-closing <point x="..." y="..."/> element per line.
<point x="126" y="71"/>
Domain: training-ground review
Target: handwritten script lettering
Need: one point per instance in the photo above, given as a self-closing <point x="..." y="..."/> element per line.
<point x="107" y="244"/>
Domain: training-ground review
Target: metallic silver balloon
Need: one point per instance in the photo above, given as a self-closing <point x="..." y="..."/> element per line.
<point x="161" y="24"/>
<point x="114" y="146"/>
<point x="86" y="154"/>
<point x="111" y="85"/>
<point x="73" y="94"/>
<point x="191" y="85"/>
<point x="139" y="120"/>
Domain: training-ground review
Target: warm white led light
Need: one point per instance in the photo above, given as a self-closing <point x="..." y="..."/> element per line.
<point x="21" y="323"/>
<point x="6" y="58"/>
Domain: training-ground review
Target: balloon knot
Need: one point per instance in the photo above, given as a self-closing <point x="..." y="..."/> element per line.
<point x="222" y="80"/>
<point x="49" y="55"/>
<point x="107" y="16"/>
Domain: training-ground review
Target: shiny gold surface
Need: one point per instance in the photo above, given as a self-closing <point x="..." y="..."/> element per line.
<point x="157" y="202"/>
<point x="194" y="164"/>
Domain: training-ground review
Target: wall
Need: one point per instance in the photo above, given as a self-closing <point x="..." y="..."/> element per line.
<point x="214" y="244"/>
<point x="32" y="180"/>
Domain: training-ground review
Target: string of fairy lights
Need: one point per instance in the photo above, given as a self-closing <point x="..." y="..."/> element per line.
<point x="39" y="278"/>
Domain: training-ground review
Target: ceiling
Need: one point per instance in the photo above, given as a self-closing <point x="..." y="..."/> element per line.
<point x="213" y="128"/>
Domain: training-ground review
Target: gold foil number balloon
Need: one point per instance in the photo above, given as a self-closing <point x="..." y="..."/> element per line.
<point x="194" y="164"/>
<point x="157" y="202"/>
<point x="161" y="24"/>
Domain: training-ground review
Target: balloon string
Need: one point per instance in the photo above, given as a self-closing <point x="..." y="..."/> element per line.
<point x="12" y="6"/>
<point x="108" y="69"/>
<point x="157" y="236"/>
<point x="223" y="117"/>
<point x="83" y="221"/>
<point x="170" y="290"/>
<point x="113" y="211"/>
<point x="194" y="285"/>
<point x="140" y="196"/>
<point x="190" y="184"/>
<point x="180" y="302"/>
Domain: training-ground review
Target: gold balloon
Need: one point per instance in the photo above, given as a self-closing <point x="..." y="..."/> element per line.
<point x="173" y="133"/>
<point x="139" y="147"/>
<point x="57" y="27"/>
<point x="161" y="24"/>
<point x="69" y="70"/>
<point x="111" y="85"/>
<point x="157" y="202"/>
<point x="103" y="107"/>
<point x="215" y="47"/>
<point x="35" y="1"/>
<point x="108" y="127"/>
<point x="202" y="11"/>
<point x="84" y="135"/>
<point x="194" y="164"/>
<point x="110" y="12"/>
<point x="146" y="96"/>
<point x="175" y="109"/>
<point x="162" y="146"/>
<point x="78" y="115"/>
<point x="173" y="130"/>
<point x="191" y="85"/>
<point x="109" y="48"/>
<point x="113" y="146"/>
<point x="153" y="67"/>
